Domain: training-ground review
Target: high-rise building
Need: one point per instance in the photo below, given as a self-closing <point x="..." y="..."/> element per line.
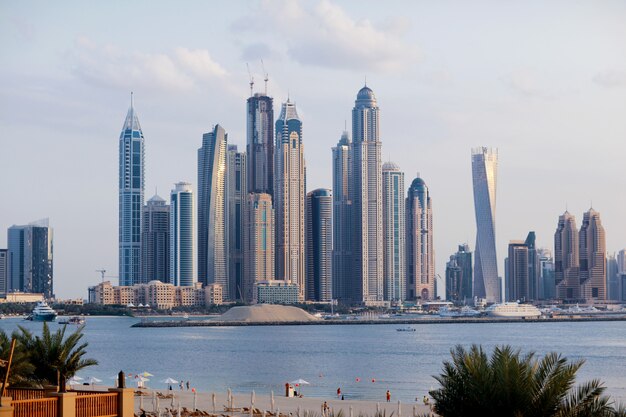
<point x="621" y="272"/>
<point x="367" y="201"/>
<point x="394" y="233"/>
<point x="459" y="276"/>
<point x="258" y="243"/>
<point x="181" y="235"/>
<point x="522" y="270"/>
<point x="260" y="145"/>
<point x="420" y="255"/>
<point x="592" y="257"/>
<point x="236" y="192"/>
<point x="289" y="195"/>
<point x="4" y="271"/>
<point x="547" y="286"/>
<point x="612" y="278"/>
<point x="131" y="190"/>
<point x="566" y="261"/>
<point x="212" y="210"/>
<point x="155" y="241"/>
<point x="30" y="253"/>
<point x="319" y="245"/>
<point x="343" y="277"/>
<point x="484" y="178"/>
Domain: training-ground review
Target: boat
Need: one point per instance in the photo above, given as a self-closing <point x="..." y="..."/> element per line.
<point x="42" y="312"/>
<point x="72" y="320"/>
<point x="405" y="329"/>
<point x="513" y="310"/>
<point x="465" y="311"/>
<point x="186" y="316"/>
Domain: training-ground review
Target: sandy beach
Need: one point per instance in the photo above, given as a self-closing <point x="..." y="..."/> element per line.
<point x="289" y="406"/>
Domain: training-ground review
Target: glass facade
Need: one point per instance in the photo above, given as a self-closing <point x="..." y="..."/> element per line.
<point x="181" y="235"/>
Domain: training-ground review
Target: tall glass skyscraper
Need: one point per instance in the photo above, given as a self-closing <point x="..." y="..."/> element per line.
<point x="155" y="241"/>
<point x="289" y="194"/>
<point x="420" y="255"/>
<point x="319" y="245"/>
<point x="260" y="146"/>
<point x="367" y="199"/>
<point x="4" y="271"/>
<point x="342" y="218"/>
<point x="181" y="235"/>
<point x="394" y="232"/>
<point x="484" y="177"/>
<point x="236" y="192"/>
<point x="131" y="193"/>
<point x="259" y="243"/>
<point x="30" y="260"/>
<point x="212" y="212"/>
<point x="592" y="256"/>
<point x="566" y="259"/>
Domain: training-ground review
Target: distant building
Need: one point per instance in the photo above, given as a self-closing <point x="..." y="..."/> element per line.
<point x="236" y="199"/>
<point x="156" y="294"/>
<point x="4" y="271"/>
<point x="181" y="235"/>
<point x="289" y="196"/>
<point x="394" y="233"/>
<point x="258" y="243"/>
<point x="260" y="144"/>
<point x="621" y="272"/>
<point x="275" y="292"/>
<point x="484" y="179"/>
<point x="420" y="255"/>
<point x="30" y="258"/>
<point x="343" y="273"/>
<point x="23" y="297"/>
<point x="592" y="255"/>
<point x="319" y="245"/>
<point x="612" y="279"/>
<point x="566" y="261"/>
<point x="459" y="276"/>
<point x="212" y="210"/>
<point x="547" y="286"/>
<point x="522" y="271"/>
<point x="155" y="241"/>
<point x="131" y="198"/>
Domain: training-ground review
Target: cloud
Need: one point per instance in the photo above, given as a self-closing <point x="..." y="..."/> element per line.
<point x="526" y="83"/>
<point x="326" y="36"/>
<point x="257" y="51"/>
<point x="611" y="78"/>
<point x="112" y="66"/>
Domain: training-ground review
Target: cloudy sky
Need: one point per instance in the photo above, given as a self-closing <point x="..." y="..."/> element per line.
<point x="544" y="82"/>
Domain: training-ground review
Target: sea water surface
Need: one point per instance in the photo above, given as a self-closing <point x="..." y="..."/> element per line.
<point x="364" y="360"/>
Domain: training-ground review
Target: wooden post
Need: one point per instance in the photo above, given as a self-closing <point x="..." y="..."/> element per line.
<point x="6" y="375"/>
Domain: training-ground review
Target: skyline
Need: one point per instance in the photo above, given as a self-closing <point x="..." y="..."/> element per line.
<point x="442" y="91"/>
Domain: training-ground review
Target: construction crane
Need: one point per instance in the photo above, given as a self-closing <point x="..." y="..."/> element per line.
<point x="251" y="79"/>
<point x="102" y="272"/>
<point x="265" y="75"/>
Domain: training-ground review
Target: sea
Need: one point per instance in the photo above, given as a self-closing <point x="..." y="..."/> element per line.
<point x="363" y="360"/>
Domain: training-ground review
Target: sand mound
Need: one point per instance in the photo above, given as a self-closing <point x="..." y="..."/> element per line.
<point x="260" y="313"/>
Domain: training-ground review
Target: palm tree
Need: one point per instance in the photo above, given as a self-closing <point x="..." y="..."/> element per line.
<point x="21" y="368"/>
<point x="54" y="356"/>
<point x="511" y="384"/>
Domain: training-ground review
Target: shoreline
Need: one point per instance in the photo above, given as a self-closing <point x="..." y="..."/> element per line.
<point x="215" y="323"/>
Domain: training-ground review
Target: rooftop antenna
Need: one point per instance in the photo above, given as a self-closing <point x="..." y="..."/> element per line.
<point x="266" y="75"/>
<point x="366" y="80"/>
<point x="131" y="99"/>
<point x="251" y="79"/>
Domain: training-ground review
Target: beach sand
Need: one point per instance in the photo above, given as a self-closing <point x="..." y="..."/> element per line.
<point x="283" y="404"/>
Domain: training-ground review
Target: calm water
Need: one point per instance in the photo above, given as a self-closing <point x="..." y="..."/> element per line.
<point x="264" y="358"/>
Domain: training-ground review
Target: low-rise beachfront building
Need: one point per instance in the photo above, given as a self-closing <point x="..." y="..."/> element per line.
<point x="275" y="292"/>
<point x="22" y="297"/>
<point x="156" y="294"/>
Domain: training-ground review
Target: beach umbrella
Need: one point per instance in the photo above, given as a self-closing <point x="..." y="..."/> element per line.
<point x="93" y="380"/>
<point x="145" y="374"/>
<point x="299" y="381"/>
<point x="75" y="380"/>
<point x="213" y="401"/>
<point x="140" y="382"/>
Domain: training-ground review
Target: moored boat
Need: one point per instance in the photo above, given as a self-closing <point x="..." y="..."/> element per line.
<point x="405" y="329"/>
<point x="72" y="320"/>
<point x="42" y="312"/>
<point x="513" y="310"/>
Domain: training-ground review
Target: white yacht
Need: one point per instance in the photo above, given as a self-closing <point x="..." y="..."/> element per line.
<point x="464" y="311"/>
<point x="513" y="310"/>
<point x="42" y="312"/>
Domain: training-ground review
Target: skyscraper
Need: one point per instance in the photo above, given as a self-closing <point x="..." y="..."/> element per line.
<point x="394" y="233"/>
<point x="343" y="278"/>
<point x="212" y="212"/>
<point x="592" y="256"/>
<point x="547" y="286"/>
<point x="289" y="195"/>
<point x="181" y="235"/>
<point x="4" y="271"/>
<point x="260" y="146"/>
<point x="236" y="192"/>
<point x="319" y="245"/>
<point x="459" y="275"/>
<point x="155" y="241"/>
<point x="259" y="242"/>
<point x="367" y="200"/>
<point x="612" y="278"/>
<point x="131" y="190"/>
<point x="30" y="253"/>
<point x="566" y="263"/>
<point x="420" y="255"/>
<point x="621" y="272"/>
<point x="522" y="270"/>
<point x="484" y="178"/>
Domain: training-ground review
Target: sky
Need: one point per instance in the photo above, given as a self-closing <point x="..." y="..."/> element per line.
<point x="542" y="81"/>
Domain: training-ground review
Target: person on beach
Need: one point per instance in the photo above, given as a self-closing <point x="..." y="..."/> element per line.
<point x="339" y="392"/>
<point x="388" y="396"/>
<point x="325" y="409"/>
<point x="187" y="385"/>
